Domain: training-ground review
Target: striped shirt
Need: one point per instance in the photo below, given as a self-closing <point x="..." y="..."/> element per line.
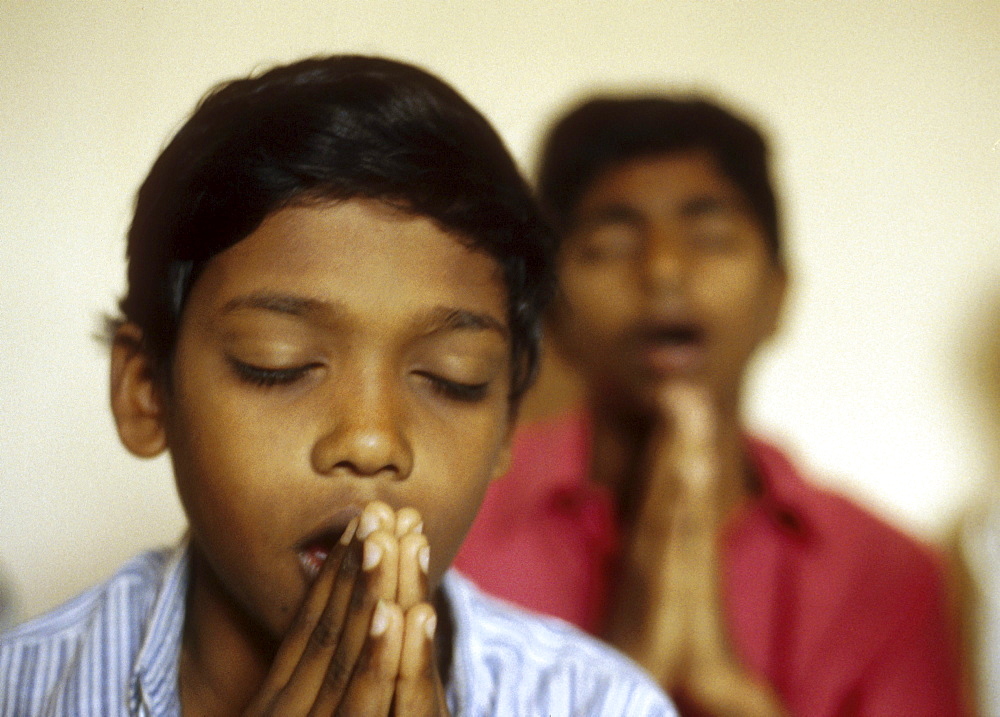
<point x="114" y="650"/>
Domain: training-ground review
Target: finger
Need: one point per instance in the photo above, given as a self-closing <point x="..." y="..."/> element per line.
<point x="662" y="638"/>
<point x="661" y="483"/>
<point x="280" y="691"/>
<point x="373" y="683"/>
<point x="708" y="636"/>
<point x="418" y="687"/>
<point x="414" y="563"/>
<point x="377" y="580"/>
<point x="312" y="668"/>
<point x="690" y="414"/>
<point x="376" y="516"/>
<point x="408" y="520"/>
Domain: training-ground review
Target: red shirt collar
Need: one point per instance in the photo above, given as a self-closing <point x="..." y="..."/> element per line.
<point x="784" y="496"/>
<point x="558" y="453"/>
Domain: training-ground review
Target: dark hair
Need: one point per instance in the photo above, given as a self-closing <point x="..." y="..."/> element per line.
<point x="332" y="128"/>
<point x="605" y="132"/>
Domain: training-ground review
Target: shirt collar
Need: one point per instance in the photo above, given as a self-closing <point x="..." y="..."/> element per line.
<point x="784" y="496"/>
<point x="153" y="683"/>
<point x="559" y="453"/>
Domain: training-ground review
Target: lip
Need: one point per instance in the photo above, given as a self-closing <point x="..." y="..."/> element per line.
<point x="670" y="346"/>
<point x="314" y="548"/>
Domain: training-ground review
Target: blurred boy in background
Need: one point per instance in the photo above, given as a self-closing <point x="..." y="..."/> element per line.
<point x="650" y="516"/>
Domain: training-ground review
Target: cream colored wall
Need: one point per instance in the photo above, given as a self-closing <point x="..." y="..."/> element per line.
<point x="886" y="122"/>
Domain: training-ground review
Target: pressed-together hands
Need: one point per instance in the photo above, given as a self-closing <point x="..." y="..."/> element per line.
<point x="668" y="614"/>
<point x="363" y="641"/>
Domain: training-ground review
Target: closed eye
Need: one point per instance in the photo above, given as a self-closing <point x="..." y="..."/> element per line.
<point x="266" y="377"/>
<point x="456" y="390"/>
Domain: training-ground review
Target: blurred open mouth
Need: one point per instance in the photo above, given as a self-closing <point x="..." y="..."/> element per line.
<point x="672" y="348"/>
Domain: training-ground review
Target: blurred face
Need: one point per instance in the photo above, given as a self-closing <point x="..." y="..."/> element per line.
<point x="340" y="354"/>
<point x="665" y="276"/>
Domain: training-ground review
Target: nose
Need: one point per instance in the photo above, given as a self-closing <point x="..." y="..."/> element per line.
<point x="365" y="435"/>
<point x="664" y="259"/>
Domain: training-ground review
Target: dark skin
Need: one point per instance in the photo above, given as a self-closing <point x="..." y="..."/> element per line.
<point x="363" y="640"/>
<point x="335" y="408"/>
<point x="668" y="288"/>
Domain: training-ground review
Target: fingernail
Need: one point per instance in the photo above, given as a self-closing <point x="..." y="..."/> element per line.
<point x="408" y="521"/>
<point x="430" y="625"/>
<point x="380" y="620"/>
<point x="349" y="532"/>
<point x="372" y="556"/>
<point x="368" y="524"/>
<point x="424" y="558"/>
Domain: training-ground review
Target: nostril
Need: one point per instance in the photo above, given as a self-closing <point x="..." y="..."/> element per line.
<point x="388" y="470"/>
<point x="363" y="453"/>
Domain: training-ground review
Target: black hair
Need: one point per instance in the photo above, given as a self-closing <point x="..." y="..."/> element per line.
<point x="605" y="132"/>
<point x="328" y="129"/>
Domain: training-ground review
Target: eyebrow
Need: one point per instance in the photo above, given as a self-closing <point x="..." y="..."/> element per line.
<point x="278" y="303"/>
<point x="615" y="213"/>
<point x="438" y="319"/>
<point x="444" y="318"/>
<point x="709" y="204"/>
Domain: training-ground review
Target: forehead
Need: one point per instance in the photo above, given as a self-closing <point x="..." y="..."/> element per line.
<point x="673" y="176"/>
<point x="359" y="254"/>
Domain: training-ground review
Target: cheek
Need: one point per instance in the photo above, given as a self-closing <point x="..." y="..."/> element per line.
<point x="228" y="462"/>
<point x="594" y="309"/>
<point x="740" y="307"/>
<point x="215" y="482"/>
<point x="457" y="469"/>
<point x="227" y="427"/>
<point x="733" y="292"/>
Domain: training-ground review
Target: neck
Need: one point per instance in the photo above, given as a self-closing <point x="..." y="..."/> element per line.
<point x="224" y="657"/>
<point x="621" y="446"/>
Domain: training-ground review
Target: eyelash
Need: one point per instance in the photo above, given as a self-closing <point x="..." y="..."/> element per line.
<point x="268" y="377"/>
<point x="463" y="392"/>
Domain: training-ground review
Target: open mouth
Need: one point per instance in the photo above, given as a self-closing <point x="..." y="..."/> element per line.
<point x="673" y="335"/>
<point x="672" y="347"/>
<point x="314" y="549"/>
<point x="314" y="555"/>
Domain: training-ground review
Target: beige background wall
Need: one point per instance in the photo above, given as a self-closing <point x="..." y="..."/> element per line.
<point x="886" y="124"/>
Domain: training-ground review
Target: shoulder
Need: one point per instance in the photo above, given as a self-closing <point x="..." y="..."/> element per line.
<point x="841" y="529"/>
<point x="867" y="602"/>
<point x="72" y="619"/>
<point x="101" y="626"/>
<point x="883" y="581"/>
<point x="509" y="661"/>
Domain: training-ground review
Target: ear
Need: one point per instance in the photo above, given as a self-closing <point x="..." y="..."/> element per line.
<point x="505" y="456"/>
<point x="777" y="290"/>
<point x="137" y="399"/>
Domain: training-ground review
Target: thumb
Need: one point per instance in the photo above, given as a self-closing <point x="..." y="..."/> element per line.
<point x="688" y="410"/>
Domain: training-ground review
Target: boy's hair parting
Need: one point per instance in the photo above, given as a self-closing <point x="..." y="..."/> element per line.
<point x="328" y="129"/>
<point x="605" y="132"/>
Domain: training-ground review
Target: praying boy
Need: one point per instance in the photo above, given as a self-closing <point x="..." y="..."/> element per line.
<point x="652" y="517"/>
<point x="335" y="274"/>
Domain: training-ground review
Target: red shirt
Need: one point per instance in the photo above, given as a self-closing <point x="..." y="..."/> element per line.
<point x="840" y="612"/>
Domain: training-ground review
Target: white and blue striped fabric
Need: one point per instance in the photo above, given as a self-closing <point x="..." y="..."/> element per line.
<point x="511" y="662"/>
<point x="114" y="651"/>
